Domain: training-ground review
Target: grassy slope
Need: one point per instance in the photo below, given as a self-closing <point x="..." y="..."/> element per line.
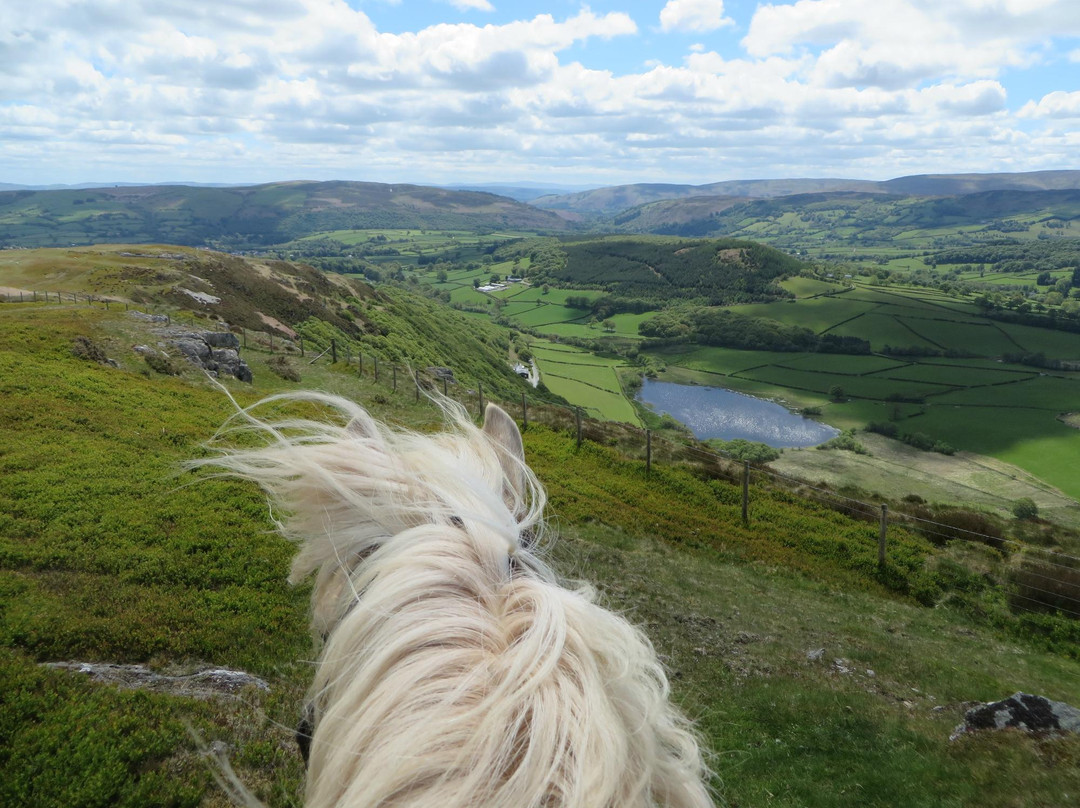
<point x="106" y="554"/>
<point x="398" y="325"/>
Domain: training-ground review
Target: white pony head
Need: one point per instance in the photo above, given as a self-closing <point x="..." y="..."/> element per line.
<point x="456" y="671"/>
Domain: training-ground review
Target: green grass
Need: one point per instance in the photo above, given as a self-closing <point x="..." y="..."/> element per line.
<point x="107" y="553"/>
<point x="809" y="287"/>
<point x="585" y="380"/>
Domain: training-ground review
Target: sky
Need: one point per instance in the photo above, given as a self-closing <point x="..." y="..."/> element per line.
<point x="474" y="91"/>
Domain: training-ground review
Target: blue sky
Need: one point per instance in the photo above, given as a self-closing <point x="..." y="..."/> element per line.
<point x="611" y="92"/>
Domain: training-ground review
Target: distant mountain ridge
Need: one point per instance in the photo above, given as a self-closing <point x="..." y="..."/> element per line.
<point x="852" y="217"/>
<point x="613" y="200"/>
<point x="250" y="216"/>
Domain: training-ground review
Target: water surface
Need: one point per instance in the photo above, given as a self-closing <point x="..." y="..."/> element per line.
<point x="714" y="412"/>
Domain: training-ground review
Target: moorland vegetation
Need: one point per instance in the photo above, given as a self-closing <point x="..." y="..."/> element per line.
<point x="107" y="555"/>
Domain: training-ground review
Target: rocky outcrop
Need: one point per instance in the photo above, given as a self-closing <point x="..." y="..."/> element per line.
<point x="202" y="683"/>
<point x="442" y="374"/>
<point x="216" y="352"/>
<point x="1021" y="711"/>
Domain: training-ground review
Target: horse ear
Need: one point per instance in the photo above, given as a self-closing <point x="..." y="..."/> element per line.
<point x="503" y="432"/>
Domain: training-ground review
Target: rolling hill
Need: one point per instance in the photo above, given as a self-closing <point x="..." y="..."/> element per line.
<point x="251" y="216"/>
<point x="858" y="218"/>
<point x="264" y="297"/>
<point x="610" y="201"/>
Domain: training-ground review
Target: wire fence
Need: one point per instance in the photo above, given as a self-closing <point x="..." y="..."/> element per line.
<point x="1041" y="579"/>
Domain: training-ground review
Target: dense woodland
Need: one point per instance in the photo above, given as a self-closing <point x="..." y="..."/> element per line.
<point x="714" y="272"/>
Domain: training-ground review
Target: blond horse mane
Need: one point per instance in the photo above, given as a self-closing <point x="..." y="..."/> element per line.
<point x="456" y="671"/>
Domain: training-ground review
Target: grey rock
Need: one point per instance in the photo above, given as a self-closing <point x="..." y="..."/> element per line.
<point x="1021" y="711"/>
<point x="442" y="373"/>
<point x="221" y="339"/>
<point x="150" y="318"/>
<point x="194" y="349"/>
<point x="202" y="683"/>
<point x="214" y="352"/>
<point x="815" y="655"/>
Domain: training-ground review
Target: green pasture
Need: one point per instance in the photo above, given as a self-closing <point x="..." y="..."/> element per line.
<point x="957" y="374"/>
<point x="554" y="296"/>
<point x="1054" y="344"/>
<point x="511" y="308"/>
<point x="626" y="324"/>
<point x="882" y="330"/>
<point x="584" y="379"/>
<point x="468" y="295"/>
<point x="808" y="287"/>
<point x="982" y="339"/>
<point x="878" y="387"/>
<point x="845" y="364"/>
<point x="818" y="314"/>
<point x="1032" y="439"/>
<point x="545" y="315"/>
<point x="1054" y="394"/>
<point x="723" y="361"/>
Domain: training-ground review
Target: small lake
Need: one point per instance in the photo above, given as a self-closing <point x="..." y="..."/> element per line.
<point x="713" y="412"/>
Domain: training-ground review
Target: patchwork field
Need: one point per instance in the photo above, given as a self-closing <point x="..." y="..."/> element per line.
<point x="585" y="379"/>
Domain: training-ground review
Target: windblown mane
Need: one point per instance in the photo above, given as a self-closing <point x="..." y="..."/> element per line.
<point x="456" y="671"/>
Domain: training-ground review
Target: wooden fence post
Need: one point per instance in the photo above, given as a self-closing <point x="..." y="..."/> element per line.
<point x="301" y="338"/>
<point x="746" y="491"/>
<point x="360" y="359"/>
<point x="395" y="379"/>
<point x="333" y="351"/>
<point x="577" y="417"/>
<point x="524" y="411"/>
<point x="376" y="367"/>
<point x="480" y="396"/>
<point x="416" y="378"/>
<point x="444" y="386"/>
<point x="648" y="451"/>
<point x="881" y="537"/>
<point x="271" y="342"/>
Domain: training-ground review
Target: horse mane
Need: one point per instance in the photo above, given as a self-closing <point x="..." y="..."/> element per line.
<point x="455" y="670"/>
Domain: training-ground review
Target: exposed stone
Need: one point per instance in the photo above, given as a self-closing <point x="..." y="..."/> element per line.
<point x="201" y="297"/>
<point x="202" y="683"/>
<point x="213" y="351"/>
<point x="442" y="373"/>
<point x="194" y="349"/>
<point x="221" y="339"/>
<point x="150" y="318"/>
<point x="1021" y="711"/>
<point x="815" y="655"/>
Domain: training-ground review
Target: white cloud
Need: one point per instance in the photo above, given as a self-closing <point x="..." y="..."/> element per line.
<point x="472" y="5"/>
<point x="1058" y="104"/>
<point x="693" y="15"/>
<point x="901" y="43"/>
<point x="262" y="89"/>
